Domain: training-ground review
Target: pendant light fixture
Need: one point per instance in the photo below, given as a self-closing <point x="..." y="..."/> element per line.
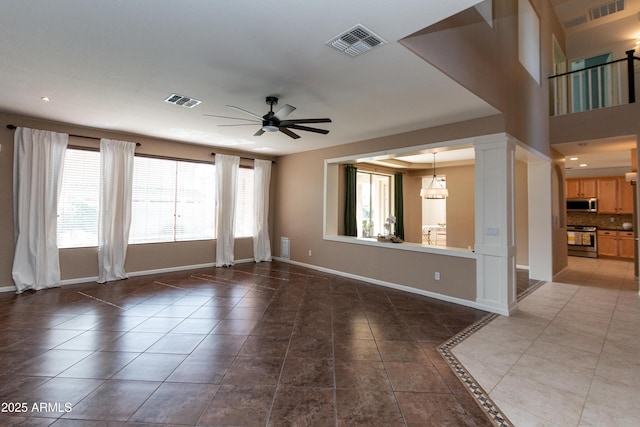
<point x="435" y="190"/>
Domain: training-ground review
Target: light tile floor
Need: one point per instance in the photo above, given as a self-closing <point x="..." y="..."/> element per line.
<point x="570" y="356"/>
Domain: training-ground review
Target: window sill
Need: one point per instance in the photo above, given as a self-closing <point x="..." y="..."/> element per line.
<point x="405" y="246"/>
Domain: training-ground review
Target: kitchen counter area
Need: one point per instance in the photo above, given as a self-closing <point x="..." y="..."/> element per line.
<point x="612" y="239"/>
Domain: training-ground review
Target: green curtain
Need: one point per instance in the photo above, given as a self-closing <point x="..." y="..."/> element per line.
<point x="397" y="202"/>
<point x="350" y="222"/>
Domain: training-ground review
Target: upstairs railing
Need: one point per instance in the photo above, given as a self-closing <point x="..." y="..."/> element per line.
<point x="598" y="86"/>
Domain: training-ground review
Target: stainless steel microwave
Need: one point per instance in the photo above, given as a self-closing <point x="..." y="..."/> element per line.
<point x="582" y="205"/>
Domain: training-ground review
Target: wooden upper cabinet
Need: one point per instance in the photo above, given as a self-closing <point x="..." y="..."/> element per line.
<point x="608" y="195"/>
<point x="615" y="195"/>
<point x="625" y="196"/>
<point x="579" y="188"/>
<point x="589" y="188"/>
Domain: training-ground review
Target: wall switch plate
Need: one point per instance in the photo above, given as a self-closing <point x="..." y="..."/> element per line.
<point x="437" y="275"/>
<point x="491" y="231"/>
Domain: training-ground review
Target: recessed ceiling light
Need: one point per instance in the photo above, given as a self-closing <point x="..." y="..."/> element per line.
<point x="573" y="158"/>
<point x="583" y="165"/>
<point x="46" y="99"/>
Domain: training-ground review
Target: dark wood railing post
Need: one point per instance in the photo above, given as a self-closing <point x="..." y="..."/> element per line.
<point x="631" y="76"/>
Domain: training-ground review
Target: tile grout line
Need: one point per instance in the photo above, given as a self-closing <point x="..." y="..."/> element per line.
<point x="477" y="392"/>
<point x="604" y="341"/>
<point x="284" y="359"/>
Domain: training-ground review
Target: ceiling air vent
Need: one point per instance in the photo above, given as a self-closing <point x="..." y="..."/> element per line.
<point x="183" y="101"/>
<point x="356" y="40"/>
<point x="606" y="9"/>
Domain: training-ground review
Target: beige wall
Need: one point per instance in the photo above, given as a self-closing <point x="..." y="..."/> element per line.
<point x="485" y="61"/>
<point x="80" y="263"/>
<point x="460" y="205"/>
<point x="299" y="215"/>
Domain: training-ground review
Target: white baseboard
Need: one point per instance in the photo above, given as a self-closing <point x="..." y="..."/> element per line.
<point x="397" y="286"/>
<point x="522" y="267"/>
<point x="135" y="274"/>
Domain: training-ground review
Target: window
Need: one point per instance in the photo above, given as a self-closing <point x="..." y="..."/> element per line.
<point x="529" y="39"/>
<point x="373" y="204"/>
<point x="172" y="201"/>
<point x="244" y="204"/>
<point x="79" y="199"/>
<point x="195" y="204"/>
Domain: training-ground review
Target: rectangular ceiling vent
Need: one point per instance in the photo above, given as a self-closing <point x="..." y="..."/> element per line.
<point x="183" y="101"/>
<point x="606" y="9"/>
<point x="356" y="40"/>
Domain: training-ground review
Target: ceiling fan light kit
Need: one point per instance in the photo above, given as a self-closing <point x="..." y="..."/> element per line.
<point x="274" y="121"/>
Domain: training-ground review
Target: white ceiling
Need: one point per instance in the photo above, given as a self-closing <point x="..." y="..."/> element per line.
<point x="110" y="65"/>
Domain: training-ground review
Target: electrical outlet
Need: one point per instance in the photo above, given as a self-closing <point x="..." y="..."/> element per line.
<point x="437" y="275"/>
<point x="309" y="252"/>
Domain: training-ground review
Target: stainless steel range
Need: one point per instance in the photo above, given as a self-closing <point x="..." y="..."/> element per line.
<point x="582" y="241"/>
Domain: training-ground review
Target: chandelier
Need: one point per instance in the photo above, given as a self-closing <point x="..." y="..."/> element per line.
<point x="435" y="190"/>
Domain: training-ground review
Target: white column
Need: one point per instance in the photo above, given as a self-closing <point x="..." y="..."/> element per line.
<point x="494" y="224"/>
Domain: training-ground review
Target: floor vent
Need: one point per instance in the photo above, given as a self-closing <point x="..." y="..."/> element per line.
<point x="606" y="9"/>
<point x="356" y="40"/>
<point x="183" y="101"/>
<point x="284" y="248"/>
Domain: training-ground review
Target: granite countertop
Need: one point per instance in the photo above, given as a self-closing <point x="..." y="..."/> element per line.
<point x="613" y="229"/>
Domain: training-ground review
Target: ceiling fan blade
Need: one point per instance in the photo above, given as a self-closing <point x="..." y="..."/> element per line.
<point x="260" y="132"/>
<point x="284" y="111"/>
<point x="245" y="111"/>
<point x="289" y="133"/>
<point x="307" y="128"/>
<point x="231" y="118"/>
<point x="295" y="121"/>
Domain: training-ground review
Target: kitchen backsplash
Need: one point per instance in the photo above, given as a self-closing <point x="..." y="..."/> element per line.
<point x="599" y="220"/>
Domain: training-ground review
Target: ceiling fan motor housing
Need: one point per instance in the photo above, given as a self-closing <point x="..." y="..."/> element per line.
<point x="271" y="125"/>
<point x="272" y="100"/>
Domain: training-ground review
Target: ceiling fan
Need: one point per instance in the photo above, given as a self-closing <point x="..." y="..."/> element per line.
<point x="273" y="122"/>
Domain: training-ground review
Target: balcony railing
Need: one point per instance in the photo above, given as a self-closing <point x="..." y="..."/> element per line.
<point x="590" y="88"/>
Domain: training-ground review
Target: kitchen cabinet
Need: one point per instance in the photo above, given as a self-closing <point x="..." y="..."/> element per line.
<point x="625" y="196"/>
<point x="615" y="195"/>
<point x="626" y="243"/>
<point x="619" y="244"/>
<point x="579" y="188"/>
<point x="608" y="192"/>
<point x="607" y="243"/>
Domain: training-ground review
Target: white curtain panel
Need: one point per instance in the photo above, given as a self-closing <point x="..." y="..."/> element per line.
<point x="261" y="184"/>
<point x="116" y="180"/>
<point x="37" y="178"/>
<point x="226" y="194"/>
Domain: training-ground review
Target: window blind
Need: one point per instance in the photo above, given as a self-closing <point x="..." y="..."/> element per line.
<point x="79" y="199"/>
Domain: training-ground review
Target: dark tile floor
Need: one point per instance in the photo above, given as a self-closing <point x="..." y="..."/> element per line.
<point x="253" y="345"/>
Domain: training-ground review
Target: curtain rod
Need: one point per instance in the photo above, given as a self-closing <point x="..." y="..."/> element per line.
<point x="245" y="158"/>
<point x="13" y="127"/>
